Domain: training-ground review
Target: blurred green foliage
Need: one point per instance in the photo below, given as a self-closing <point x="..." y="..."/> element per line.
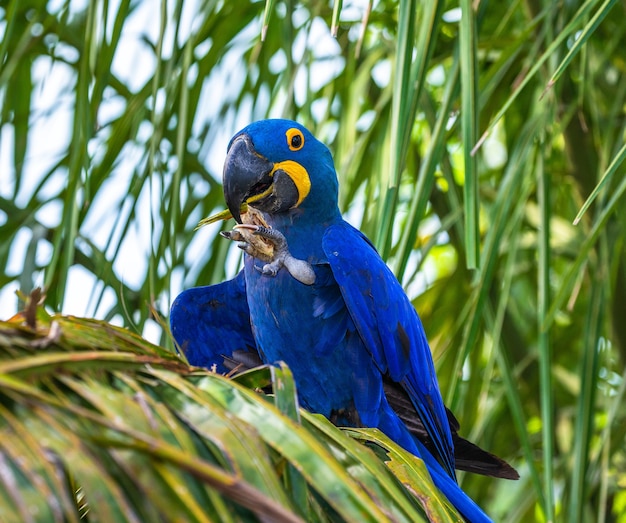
<point x="524" y="309"/>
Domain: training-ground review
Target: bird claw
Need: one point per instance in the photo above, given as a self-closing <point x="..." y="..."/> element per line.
<point x="270" y="269"/>
<point x="241" y="241"/>
<point x="232" y="235"/>
<point x="274" y="236"/>
<point x="280" y="256"/>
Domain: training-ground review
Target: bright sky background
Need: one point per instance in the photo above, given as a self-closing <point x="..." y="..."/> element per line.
<point x="52" y="104"/>
<point x="50" y="132"/>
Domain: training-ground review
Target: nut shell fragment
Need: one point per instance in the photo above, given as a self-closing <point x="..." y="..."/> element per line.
<point x="264" y="249"/>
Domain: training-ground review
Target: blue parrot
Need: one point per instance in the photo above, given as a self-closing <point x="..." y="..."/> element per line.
<point x="315" y="294"/>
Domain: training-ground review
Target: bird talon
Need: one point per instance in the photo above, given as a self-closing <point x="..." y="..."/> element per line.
<point x="246" y="227"/>
<point x="247" y="248"/>
<point x="266" y="232"/>
<point x="274" y="236"/>
<point x="270" y="245"/>
<point x="233" y="235"/>
<point x="271" y="269"/>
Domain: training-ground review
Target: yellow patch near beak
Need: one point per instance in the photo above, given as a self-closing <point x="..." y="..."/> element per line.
<point x="298" y="174"/>
<point x="294" y="170"/>
<point x="226" y="215"/>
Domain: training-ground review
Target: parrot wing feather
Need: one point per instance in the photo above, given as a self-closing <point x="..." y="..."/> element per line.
<point x="212" y="324"/>
<point x="390" y="328"/>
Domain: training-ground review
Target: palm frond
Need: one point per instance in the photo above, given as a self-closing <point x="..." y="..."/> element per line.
<point x="530" y="346"/>
<point x="98" y="423"/>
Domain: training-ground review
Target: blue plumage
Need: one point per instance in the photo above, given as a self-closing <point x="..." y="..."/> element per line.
<point x="208" y="322"/>
<point x="389" y="327"/>
<point x="342" y="336"/>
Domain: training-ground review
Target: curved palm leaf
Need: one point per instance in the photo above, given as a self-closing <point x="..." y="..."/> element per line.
<point x="96" y="421"/>
<point x="113" y="195"/>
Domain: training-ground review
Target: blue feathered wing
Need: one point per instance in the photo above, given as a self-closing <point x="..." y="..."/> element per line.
<point x="211" y="324"/>
<point x="390" y="328"/>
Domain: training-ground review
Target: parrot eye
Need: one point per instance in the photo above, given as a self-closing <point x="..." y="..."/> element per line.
<point x="295" y="139"/>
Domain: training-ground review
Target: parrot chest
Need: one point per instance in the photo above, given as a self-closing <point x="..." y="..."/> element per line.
<point x="307" y="327"/>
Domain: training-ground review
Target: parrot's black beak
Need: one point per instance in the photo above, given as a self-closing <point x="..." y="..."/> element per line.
<point x="246" y="174"/>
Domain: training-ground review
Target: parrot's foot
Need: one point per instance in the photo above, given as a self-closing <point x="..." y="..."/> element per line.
<point x="246" y="243"/>
<point x="280" y="257"/>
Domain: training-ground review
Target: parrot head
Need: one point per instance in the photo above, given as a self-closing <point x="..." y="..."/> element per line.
<point x="276" y="166"/>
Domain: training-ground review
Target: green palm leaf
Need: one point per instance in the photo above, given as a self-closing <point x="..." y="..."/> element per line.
<point x="96" y="421"/>
<point x="114" y="118"/>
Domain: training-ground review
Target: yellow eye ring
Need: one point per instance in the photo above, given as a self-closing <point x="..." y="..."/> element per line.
<point x="295" y="139"/>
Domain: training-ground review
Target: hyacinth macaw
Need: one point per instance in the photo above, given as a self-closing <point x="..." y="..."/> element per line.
<point x="315" y="294"/>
